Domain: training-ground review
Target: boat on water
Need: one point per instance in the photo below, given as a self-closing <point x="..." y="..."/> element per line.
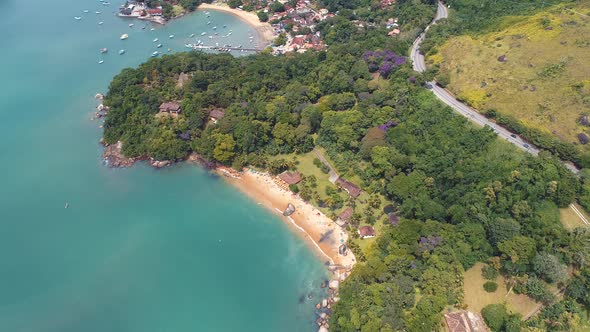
<point x="171" y="36"/>
<point x="224" y="26"/>
<point x="67" y="205"/>
<point x="159" y="46"/>
<point x="214" y="28"/>
<point x="77" y="18"/>
<point x="106" y="3"/>
<point x="131" y="25"/>
<point x="189" y="45"/>
<point x="101" y="62"/>
<point x="155" y="54"/>
<point x="121" y="52"/>
<point x="86" y="10"/>
<point x="229" y="34"/>
<point x="124" y="36"/>
<point x="97" y="13"/>
<point x="155" y="40"/>
<point x="104" y="50"/>
<point x="208" y="22"/>
<point x="210" y="37"/>
<point x="203" y="33"/>
<point x="152" y="29"/>
<point x="192" y="35"/>
<point x="100" y="23"/>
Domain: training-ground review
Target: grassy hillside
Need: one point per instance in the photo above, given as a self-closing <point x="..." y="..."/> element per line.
<point x="536" y="68"/>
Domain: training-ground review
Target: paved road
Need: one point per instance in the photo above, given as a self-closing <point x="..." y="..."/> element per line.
<point x="468" y="112"/>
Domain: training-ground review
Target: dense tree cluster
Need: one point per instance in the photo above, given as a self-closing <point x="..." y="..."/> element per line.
<point x="463" y="195"/>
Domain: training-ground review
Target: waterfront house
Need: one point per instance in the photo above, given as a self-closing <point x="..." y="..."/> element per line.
<point x="349" y="187"/>
<point x="155" y="11"/>
<point x="170" y="107"/>
<point x="344" y="217"/>
<point x="290" y="177"/>
<point x="465" y="321"/>
<point x="366" y="232"/>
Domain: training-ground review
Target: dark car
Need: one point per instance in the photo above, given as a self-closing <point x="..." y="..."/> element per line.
<point x="513" y="135"/>
<point x="526" y="146"/>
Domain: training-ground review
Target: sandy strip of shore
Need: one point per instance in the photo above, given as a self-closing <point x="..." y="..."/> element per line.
<point x="323" y="235"/>
<point x="264" y="29"/>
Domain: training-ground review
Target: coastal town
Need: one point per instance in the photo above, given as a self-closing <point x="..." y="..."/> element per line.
<point x="293" y="23"/>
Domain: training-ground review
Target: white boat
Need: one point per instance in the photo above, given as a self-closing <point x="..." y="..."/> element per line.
<point x="188" y="45"/>
<point x="97" y="13"/>
<point x="152" y="29"/>
<point x="131" y="25"/>
<point x="86" y="10"/>
<point x="104" y="50"/>
<point x="210" y="37"/>
<point x="214" y="28"/>
<point x="106" y="3"/>
<point x="121" y="52"/>
<point x="101" y="62"/>
<point x="229" y="34"/>
<point x="124" y="36"/>
<point x="155" y="54"/>
<point x="203" y="33"/>
<point x="209" y="22"/>
<point x="100" y="23"/>
<point x="171" y="36"/>
<point x="77" y="18"/>
<point x="192" y="35"/>
<point x="155" y="40"/>
<point x="159" y="45"/>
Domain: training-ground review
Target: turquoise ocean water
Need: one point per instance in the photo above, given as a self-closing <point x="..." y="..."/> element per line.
<point x="137" y="249"/>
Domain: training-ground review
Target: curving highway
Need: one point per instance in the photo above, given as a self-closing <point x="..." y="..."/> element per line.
<point x="471" y="114"/>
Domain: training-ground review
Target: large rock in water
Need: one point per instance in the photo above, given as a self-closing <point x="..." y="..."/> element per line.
<point x="334" y="284"/>
<point x="289" y="210"/>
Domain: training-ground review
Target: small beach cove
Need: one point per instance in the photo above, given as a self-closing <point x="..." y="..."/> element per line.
<point x="137" y="249"/>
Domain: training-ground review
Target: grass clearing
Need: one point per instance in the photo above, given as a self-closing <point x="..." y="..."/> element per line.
<point x="544" y="81"/>
<point x="476" y="297"/>
<point x="570" y="219"/>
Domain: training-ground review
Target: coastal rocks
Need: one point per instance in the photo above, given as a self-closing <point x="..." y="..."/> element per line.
<point x="334" y="284"/>
<point x="113" y="156"/>
<point x="99" y="96"/>
<point x="159" y="163"/>
<point x="101" y="110"/>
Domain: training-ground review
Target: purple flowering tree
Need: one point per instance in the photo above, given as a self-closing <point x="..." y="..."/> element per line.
<point x="385" y="62"/>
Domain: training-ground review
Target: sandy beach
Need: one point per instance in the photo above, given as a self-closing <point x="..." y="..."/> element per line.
<point x="319" y="231"/>
<point x="264" y="29"/>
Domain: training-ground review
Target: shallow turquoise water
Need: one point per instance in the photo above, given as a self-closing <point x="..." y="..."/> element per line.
<point x="137" y="249"/>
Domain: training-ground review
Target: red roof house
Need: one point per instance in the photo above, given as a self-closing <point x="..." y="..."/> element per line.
<point x="366" y="232"/>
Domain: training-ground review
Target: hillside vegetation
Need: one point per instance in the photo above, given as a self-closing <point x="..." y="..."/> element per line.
<point x="536" y="69"/>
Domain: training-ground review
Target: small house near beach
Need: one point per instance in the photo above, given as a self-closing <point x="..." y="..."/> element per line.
<point x="290" y="177"/>
<point x="350" y="188"/>
<point x="344" y="217"/>
<point x="170" y="107"/>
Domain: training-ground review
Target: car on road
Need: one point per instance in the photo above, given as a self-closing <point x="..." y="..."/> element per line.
<point x="526" y="146"/>
<point x="428" y="86"/>
<point x="513" y="135"/>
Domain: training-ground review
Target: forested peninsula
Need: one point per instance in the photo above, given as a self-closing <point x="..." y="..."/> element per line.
<point x="442" y="195"/>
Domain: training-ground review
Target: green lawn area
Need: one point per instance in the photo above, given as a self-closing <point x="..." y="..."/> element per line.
<point x="476" y="297"/>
